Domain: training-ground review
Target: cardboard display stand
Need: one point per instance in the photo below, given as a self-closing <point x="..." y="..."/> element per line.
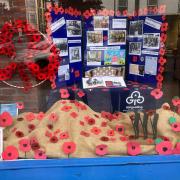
<point x="67" y="35"/>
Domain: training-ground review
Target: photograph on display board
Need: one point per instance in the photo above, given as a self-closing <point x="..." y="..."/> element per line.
<point x="116" y="37"/>
<point x="114" y="57"/>
<point x="62" y="44"/>
<point x="136" y="69"/>
<point x="151" y="40"/>
<point x="151" y="63"/>
<point x="119" y="23"/>
<point x="75" y="54"/>
<point x="63" y="73"/>
<point x="73" y="28"/>
<point x="136" y="28"/>
<point x="94" y="58"/>
<point x="94" y="38"/>
<point x="101" y="22"/>
<point x="135" y="48"/>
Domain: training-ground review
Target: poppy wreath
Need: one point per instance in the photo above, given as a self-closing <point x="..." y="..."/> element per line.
<point x="9" y="30"/>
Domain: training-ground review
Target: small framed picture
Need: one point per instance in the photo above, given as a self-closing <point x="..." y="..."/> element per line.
<point x="117" y="37"/>
<point x="136" y="28"/>
<point x="135" y="48"/>
<point x="75" y="54"/>
<point x="151" y="40"/>
<point x="94" y="38"/>
<point x="101" y="22"/>
<point x="73" y="28"/>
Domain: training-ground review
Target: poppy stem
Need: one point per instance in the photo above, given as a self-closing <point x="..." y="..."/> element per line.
<point x="25" y="155"/>
<point x="68" y="156"/>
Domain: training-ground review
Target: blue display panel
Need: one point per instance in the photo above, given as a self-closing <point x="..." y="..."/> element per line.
<point x="67" y="35"/>
<point x="143" y="48"/>
<point x="104" y="41"/>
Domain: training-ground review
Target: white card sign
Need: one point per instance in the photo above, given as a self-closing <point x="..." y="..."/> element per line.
<point x="153" y="23"/>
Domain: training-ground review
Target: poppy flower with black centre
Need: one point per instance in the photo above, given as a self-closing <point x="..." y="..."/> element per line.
<point x="163" y="37"/>
<point x="104" y="138"/>
<point x="66" y="108"/>
<point x="64" y="93"/>
<point x="69" y="147"/>
<point x="74" y="115"/>
<point x="50" y="126"/>
<point x="162" y="51"/>
<point x="176" y="127"/>
<point x="91" y="121"/>
<point x="110" y="132"/>
<point x="61" y="10"/>
<point x="164" y="148"/>
<point x="133" y="148"/>
<point x="5" y="119"/>
<point x="39" y="154"/>
<point x="64" y="135"/>
<point x="24" y="145"/>
<point x="81" y="94"/>
<point x="19" y="134"/>
<point x="104" y="124"/>
<point x="101" y="150"/>
<point x="120" y="129"/>
<point x="53" y="139"/>
<point x="162" y="61"/>
<point x="86" y="14"/>
<point x="31" y="127"/>
<point x="159" y="78"/>
<point x="77" y="74"/>
<point x="157" y="93"/>
<point x="30" y="116"/>
<point x="96" y="130"/>
<point x="161" y="69"/>
<point x="10" y="153"/>
<point x="176" y="101"/>
<point x="53" y="117"/>
<point x="164" y="27"/>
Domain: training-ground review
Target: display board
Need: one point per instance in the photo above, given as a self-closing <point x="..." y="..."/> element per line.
<point x="144" y="44"/>
<point x="104" y="44"/>
<point x="67" y="35"/>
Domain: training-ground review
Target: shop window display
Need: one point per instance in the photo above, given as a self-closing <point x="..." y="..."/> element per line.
<point x="111" y="93"/>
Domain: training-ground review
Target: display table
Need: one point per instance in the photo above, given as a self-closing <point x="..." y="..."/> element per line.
<point x="140" y="167"/>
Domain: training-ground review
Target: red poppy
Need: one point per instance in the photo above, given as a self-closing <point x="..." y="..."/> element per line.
<point x="161" y="69"/>
<point x="162" y="61"/>
<point x="81" y="94"/>
<point x="53" y="117"/>
<point x="69" y="147"/>
<point x="64" y="135"/>
<point x="163" y="37"/>
<point x="133" y="148"/>
<point x="101" y="150"/>
<point x="157" y="93"/>
<point x="104" y="124"/>
<point x="40" y="116"/>
<point x="96" y="130"/>
<point x="162" y="51"/>
<point x="19" y="134"/>
<point x="91" y="121"/>
<point x="10" y="153"/>
<point x="150" y="141"/>
<point x="176" y="101"/>
<point x="104" y="138"/>
<point x="30" y="116"/>
<point x="74" y="88"/>
<point x="24" y="145"/>
<point x="20" y="105"/>
<point x="134" y="59"/>
<point x="39" y="154"/>
<point x="176" y="127"/>
<point x="64" y="93"/>
<point x="77" y="74"/>
<point x="120" y="129"/>
<point x="81" y="123"/>
<point x="123" y="138"/>
<point x="5" y="119"/>
<point x="177" y="149"/>
<point x="35" y="146"/>
<point x="74" y="115"/>
<point x="164" y="148"/>
<point x="110" y="132"/>
<point x="83" y="133"/>
<point x="31" y="127"/>
<point x="86" y="14"/>
<point x="159" y="78"/>
<point x="54" y="139"/>
<point x="66" y="108"/>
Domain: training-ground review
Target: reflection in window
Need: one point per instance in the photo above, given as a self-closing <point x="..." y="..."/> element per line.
<point x="123" y="5"/>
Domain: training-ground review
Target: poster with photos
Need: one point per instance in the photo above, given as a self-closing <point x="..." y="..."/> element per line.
<point x="151" y="40"/>
<point x="101" y="22"/>
<point x="117" y="37"/>
<point x="94" y="38"/>
<point x="62" y="44"/>
<point x="136" y="28"/>
<point x="135" y="48"/>
<point x="75" y="54"/>
<point x="94" y="58"/>
<point x="74" y="28"/>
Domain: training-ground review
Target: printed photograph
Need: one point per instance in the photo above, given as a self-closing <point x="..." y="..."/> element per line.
<point x="75" y="54"/>
<point x="136" y="28"/>
<point x="114" y="57"/>
<point x="63" y="73"/>
<point x="151" y="41"/>
<point x="135" y="48"/>
<point x="136" y="69"/>
<point x="73" y="28"/>
<point x="94" y="58"/>
<point x="62" y="44"/>
<point x="101" y="22"/>
<point x="94" y="38"/>
<point x="151" y="63"/>
<point x="116" y="37"/>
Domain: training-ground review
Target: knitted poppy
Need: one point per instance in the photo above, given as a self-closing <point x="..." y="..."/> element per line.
<point x="123" y="138"/>
<point x="74" y="115"/>
<point x="161" y="69"/>
<point x="104" y="124"/>
<point x="10" y="153"/>
<point x="157" y="93"/>
<point x="69" y="147"/>
<point x="39" y="154"/>
<point x="77" y="74"/>
<point x="30" y="116"/>
<point x="120" y="129"/>
<point x="162" y="61"/>
<point x="66" y="108"/>
<point x="110" y="132"/>
<point x="35" y="146"/>
<point x="104" y="138"/>
<point x="91" y="121"/>
<point x="164" y="148"/>
<point x="53" y="117"/>
<point x="19" y="134"/>
<point x="162" y="51"/>
<point x="176" y="127"/>
<point x="159" y="78"/>
<point x="61" y="10"/>
<point x="163" y="37"/>
<point x="164" y="27"/>
<point x="40" y="116"/>
<point x="81" y="123"/>
<point x="5" y="119"/>
<point x="64" y="135"/>
<point x="85" y="134"/>
<point x="86" y="14"/>
<point x="177" y="148"/>
<point x="20" y="105"/>
<point x="53" y="139"/>
<point x="24" y="145"/>
<point x="31" y="127"/>
<point x="96" y="130"/>
<point x="64" y="93"/>
<point x="101" y="150"/>
<point x="50" y="126"/>
<point x="176" y="101"/>
<point x="81" y="94"/>
<point x="133" y="148"/>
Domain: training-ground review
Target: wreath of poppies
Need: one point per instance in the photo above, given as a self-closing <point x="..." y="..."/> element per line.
<point x="7" y="48"/>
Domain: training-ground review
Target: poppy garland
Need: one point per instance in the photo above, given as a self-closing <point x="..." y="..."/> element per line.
<point x="9" y="30"/>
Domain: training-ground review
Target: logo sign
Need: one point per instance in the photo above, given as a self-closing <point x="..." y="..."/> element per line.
<point x="135" y="99"/>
